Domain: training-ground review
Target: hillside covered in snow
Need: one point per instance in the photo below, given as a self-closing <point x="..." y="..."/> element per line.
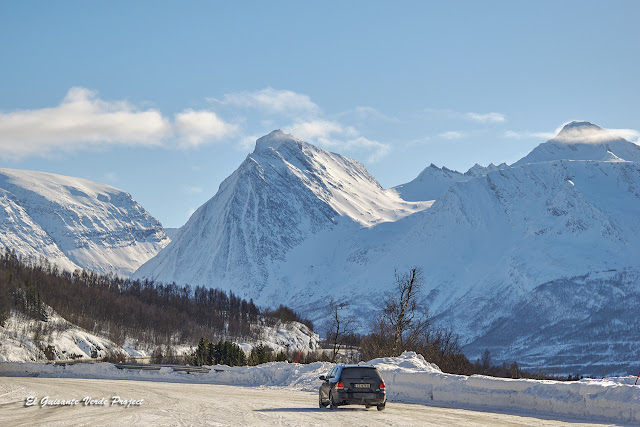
<point x="76" y="223"/>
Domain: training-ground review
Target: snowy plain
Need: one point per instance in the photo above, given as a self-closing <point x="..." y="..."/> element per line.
<point x="409" y="379"/>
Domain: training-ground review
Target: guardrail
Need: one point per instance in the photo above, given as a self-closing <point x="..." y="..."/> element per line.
<point x="157" y="366"/>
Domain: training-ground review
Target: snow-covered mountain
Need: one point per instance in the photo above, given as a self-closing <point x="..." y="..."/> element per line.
<point x="75" y="223"/>
<point x="583" y="141"/>
<point x="477" y="170"/>
<point x="430" y="184"/>
<point x="285" y="192"/>
<point x="433" y="181"/>
<point x="540" y="255"/>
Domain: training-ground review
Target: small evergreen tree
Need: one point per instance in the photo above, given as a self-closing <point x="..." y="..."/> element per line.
<point x="202" y="352"/>
<point x="259" y="354"/>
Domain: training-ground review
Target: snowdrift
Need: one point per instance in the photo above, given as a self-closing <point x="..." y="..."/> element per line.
<point x="409" y="378"/>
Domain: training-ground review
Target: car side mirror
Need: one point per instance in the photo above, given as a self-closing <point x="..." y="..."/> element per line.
<point x="323" y="378"/>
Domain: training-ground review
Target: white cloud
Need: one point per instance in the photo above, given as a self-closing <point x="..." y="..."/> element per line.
<point x="311" y="130"/>
<point x="528" y="135"/>
<point x="271" y="100"/>
<point x="474" y="117"/>
<point x="453" y="134"/>
<point x="198" y="127"/>
<point x="592" y="134"/>
<point x="584" y="134"/>
<point x="377" y="150"/>
<point x="335" y="136"/>
<point x="486" y="117"/>
<point x="80" y="119"/>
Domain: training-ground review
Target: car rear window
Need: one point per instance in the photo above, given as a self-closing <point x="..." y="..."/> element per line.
<point x="360" y="374"/>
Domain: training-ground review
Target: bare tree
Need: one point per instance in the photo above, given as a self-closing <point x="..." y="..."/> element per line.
<point x="342" y="326"/>
<point x="404" y="322"/>
<point x="403" y="313"/>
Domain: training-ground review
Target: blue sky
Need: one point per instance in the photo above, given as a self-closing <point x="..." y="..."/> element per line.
<point x="165" y="99"/>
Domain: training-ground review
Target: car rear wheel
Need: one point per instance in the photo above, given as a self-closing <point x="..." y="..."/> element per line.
<point x="381" y="407"/>
<point x="332" y="404"/>
<point x="321" y="404"/>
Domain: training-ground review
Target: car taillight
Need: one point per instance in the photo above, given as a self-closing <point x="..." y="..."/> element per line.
<point x="340" y="385"/>
<point x="382" y="386"/>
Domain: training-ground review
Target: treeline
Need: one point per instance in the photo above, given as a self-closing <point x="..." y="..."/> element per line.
<point x="151" y="313"/>
<point x="229" y="353"/>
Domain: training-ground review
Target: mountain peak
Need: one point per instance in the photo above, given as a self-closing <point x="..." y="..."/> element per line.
<point x="578" y="124"/>
<point x="580" y="140"/>
<point x="275" y="140"/>
<point x="584" y="132"/>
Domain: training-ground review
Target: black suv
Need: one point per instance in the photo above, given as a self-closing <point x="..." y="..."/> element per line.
<point x="352" y="385"/>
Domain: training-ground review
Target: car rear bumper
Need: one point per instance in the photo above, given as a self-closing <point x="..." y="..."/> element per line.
<point x="349" y="398"/>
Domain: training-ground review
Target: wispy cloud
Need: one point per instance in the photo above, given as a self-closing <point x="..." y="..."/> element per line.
<point x="591" y="134"/>
<point x="584" y="134"/>
<point x="452" y="134"/>
<point x="80" y="119"/>
<point x="197" y="127"/>
<point x="486" y="117"/>
<point x="311" y="130"/>
<point x="528" y="135"/>
<point x="270" y="100"/>
<point x="335" y="136"/>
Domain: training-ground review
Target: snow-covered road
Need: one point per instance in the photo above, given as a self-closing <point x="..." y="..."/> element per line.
<point x="165" y="403"/>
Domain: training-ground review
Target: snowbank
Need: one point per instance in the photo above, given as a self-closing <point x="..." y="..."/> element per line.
<point x="409" y="378"/>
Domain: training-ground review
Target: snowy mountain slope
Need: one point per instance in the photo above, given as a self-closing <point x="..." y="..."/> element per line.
<point x="75" y="222"/>
<point x="576" y="141"/>
<point x="478" y="170"/>
<point x="433" y="181"/>
<point x="489" y="245"/>
<point x="522" y="226"/>
<point x="586" y="324"/>
<point x="583" y="141"/>
<point x="18" y="230"/>
<point x="283" y="193"/>
<point x="486" y="247"/>
<point x="430" y="184"/>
